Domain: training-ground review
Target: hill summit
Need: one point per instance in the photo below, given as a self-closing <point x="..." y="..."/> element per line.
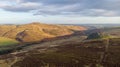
<point x="37" y="31"/>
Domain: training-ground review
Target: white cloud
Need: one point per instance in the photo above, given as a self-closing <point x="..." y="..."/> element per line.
<point x="64" y="7"/>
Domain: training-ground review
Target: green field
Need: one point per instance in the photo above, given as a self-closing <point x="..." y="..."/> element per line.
<point x="7" y="42"/>
<point x="7" y="45"/>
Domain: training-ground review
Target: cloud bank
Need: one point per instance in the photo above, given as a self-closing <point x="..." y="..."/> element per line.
<point x="95" y="8"/>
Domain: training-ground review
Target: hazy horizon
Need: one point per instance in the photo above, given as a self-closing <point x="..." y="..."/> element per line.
<point x="81" y="23"/>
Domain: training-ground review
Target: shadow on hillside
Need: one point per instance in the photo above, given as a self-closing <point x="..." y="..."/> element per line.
<point x="76" y="33"/>
<point x="25" y="44"/>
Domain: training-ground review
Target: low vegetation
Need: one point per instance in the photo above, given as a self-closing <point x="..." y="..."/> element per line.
<point x="59" y="46"/>
<point x="98" y="35"/>
<point x="7" y="45"/>
<point x="7" y="42"/>
<point x="84" y="54"/>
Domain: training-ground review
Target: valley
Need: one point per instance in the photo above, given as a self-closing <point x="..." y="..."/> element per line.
<point x="47" y="45"/>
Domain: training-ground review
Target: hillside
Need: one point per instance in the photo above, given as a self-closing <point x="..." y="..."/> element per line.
<point x="112" y="31"/>
<point x="36" y="31"/>
<point x="69" y="52"/>
<point x="97" y="35"/>
<point x="59" y="49"/>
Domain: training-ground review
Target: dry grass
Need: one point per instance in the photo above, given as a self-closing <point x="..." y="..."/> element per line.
<point x="37" y="31"/>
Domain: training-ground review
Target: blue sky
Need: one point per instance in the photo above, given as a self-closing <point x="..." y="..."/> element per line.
<point x="60" y="11"/>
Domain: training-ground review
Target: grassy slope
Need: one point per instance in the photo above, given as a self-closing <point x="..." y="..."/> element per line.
<point x="7" y="42"/>
<point x="37" y="31"/>
<point x="7" y="45"/>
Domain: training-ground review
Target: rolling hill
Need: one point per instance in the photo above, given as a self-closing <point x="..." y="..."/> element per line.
<point x="61" y="46"/>
<point x="37" y="31"/>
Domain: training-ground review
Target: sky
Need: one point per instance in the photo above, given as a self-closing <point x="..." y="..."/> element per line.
<point x="60" y="11"/>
